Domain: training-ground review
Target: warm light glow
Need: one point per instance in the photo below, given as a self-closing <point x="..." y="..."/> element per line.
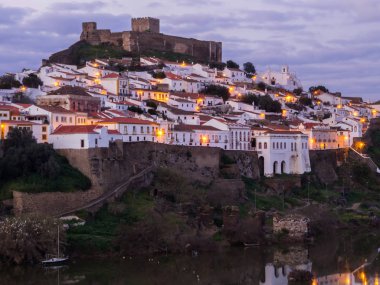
<point x="360" y="145"/>
<point x="96" y="65"/>
<point x="314" y="282"/>
<point x="231" y="89"/>
<point x="346" y="138"/>
<point x="377" y="280"/>
<point x="362" y="120"/>
<point x="97" y="81"/>
<point x="348" y="280"/>
<point x="56" y="83"/>
<point x="339" y="106"/>
<point x="2" y="126"/>
<point x="276" y="95"/>
<point x="288" y="98"/>
<point x="183" y="64"/>
<point x="356" y="113"/>
<point x="97" y="74"/>
<point x="254" y="77"/>
<point x="318" y="103"/>
<point x="204" y="139"/>
<point x="284" y="113"/>
<point x="262" y="115"/>
<point x="374" y="112"/>
<point x="104" y="92"/>
<point x="23" y="88"/>
<point x="312" y="140"/>
<point x="159" y="133"/>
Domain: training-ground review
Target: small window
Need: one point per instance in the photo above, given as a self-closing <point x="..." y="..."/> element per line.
<point x="82" y="143"/>
<point x="44" y="137"/>
<point x="44" y="129"/>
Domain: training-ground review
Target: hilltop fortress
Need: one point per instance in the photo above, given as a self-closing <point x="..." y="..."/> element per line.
<point x="146" y="36"/>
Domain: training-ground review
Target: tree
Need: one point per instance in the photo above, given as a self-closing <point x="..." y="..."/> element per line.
<point x="217" y="65"/>
<point x="263" y="102"/>
<point x="32" y="81"/>
<point x="9" y="82"/>
<point x="159" y="75"/>
<point x="135" y="109"/>
<point x="321" y="88"/>
<point x="306" y="101"/>
<point x="261" y="86"/>
<point x="249" y="68"/>
<point x="298" y="91"/>
<point x="218" y="90"/>
<point x="232" y="64"/>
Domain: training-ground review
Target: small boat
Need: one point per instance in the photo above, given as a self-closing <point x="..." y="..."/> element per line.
<point x="54" y="260"/>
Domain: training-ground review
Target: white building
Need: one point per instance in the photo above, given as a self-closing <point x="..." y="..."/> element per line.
<point x="282" y="152"/>
<point x="284" y="79"/>
<point x="82" y="137"/>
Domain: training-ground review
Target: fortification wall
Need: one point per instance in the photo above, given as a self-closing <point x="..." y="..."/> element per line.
<point x="109" y="167"/>
<point x="145" y="36"/>
<point x="51" y="203"/>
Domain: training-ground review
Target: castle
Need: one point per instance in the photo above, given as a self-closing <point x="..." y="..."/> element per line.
<point x="146" y="36"/>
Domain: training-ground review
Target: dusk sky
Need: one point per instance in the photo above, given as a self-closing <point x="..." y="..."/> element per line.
<point x="334" y="43"/>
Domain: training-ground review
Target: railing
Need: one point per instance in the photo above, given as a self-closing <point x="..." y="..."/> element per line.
<point x="367" y="157"/>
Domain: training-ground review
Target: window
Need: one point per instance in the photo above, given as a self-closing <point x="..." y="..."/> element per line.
<point x="142" y="130"/>
<point x="44" y="137"/>
<point x="44" y="129"/>
<point x="82" y="143"/>
<point x="56" y="119"/>
<point x="265" y="145"/>
<point x="96" y="142"/>
<point x="260" y="145"/>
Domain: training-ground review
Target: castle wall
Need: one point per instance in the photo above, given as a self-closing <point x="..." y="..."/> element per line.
<point x="201" y="50"/>
<point x="145" y="36"/>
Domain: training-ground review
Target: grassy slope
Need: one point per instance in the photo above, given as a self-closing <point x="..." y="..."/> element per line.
<point x="69" y="180"/>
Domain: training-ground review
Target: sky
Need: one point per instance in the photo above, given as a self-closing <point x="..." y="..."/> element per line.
<point x="335" y="43"/>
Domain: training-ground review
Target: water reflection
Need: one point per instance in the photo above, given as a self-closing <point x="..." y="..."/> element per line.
<point x="331" y="262"/>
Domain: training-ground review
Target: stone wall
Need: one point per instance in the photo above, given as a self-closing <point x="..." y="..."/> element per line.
<point x="295" y="226"/>
<point x="51" y="203"/>
<point x="107" y="168"/>
<point x="139" y="41"/>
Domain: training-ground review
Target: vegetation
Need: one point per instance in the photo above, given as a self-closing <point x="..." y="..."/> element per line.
<point x="32" y="81"/>
<point x="20" y="97"/>
<point x="218" y="90"/>
<point x="9" y="82"/>
<point x="306" y="101"/>
<point x="158" y="75"/>
<point x="135" y="109"/>
<point x="218" y="65"/>
<point x="232" y="64"/>
<point x="298" y="91"/>
<point x="28" y="239"/>
<point x="249" y="69"/>
<point x="30" y="167"/>
<point x="321" y="88"/>
<point x="263" y="102"/>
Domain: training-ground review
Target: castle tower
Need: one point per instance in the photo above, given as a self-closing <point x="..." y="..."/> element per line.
<point x="146" y="24"/>
<point x="88" y="31"/>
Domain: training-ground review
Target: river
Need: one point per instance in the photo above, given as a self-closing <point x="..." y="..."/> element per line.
<point x="332" y="262"/>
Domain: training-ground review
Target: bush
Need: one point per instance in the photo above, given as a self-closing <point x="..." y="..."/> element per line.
<point x="28" y="239"/>
<point x="218" y="90"/>
<point x="9" y="82"/>
<point x="32" y="81"/>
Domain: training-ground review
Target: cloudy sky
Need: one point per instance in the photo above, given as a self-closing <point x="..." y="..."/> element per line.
<point x="331" y="42"/>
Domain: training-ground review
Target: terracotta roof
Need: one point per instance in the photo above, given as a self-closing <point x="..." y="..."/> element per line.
<point x="66" y="130"/>
<point x="111" y="75"/>
<point x="14" y="122"/>
<point x="55" y="109"/>
<point x="124" y="120"/>
<point x="188" y="128"/>
<point x="70" y="90"/>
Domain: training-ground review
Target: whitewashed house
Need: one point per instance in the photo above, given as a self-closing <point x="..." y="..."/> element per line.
<point x="82" y="137"/>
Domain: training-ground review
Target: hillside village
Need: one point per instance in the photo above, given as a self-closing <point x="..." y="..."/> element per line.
<point x="185" y="103"/>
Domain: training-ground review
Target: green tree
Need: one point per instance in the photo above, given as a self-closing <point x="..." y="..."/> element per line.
<point x="298" y="91"/>
<point x="263" y="102"/>
<point x="321" y="88"/>
<point x="9" y="82"/>
<point x="159" y="75"/>
<point x="249" y="68"/>
<point x="217" y="65"/>
<point x="306" y="101"/>
<point x="232" y="64"/>
<point x="32" y="81"/>
<point x="218" y="90"/>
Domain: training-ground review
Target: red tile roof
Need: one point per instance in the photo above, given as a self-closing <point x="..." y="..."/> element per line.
<point x="111" y="75"/>
<point x="124" y="120"/>
<point x="67" y="130"/>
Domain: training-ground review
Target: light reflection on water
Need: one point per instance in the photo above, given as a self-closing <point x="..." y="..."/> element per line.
<point x="332" y="263"/>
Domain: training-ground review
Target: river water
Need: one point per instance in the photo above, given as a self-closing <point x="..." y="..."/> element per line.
<point x="332" y="261"/>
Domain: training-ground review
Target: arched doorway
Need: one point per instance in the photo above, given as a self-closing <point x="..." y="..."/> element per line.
<point x="283" y="167"/>
<point x="261" y="165"/>
<point x="275" y="168"/>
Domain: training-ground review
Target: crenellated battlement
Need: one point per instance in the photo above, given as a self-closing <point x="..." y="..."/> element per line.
<point x="145" y="36"/>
